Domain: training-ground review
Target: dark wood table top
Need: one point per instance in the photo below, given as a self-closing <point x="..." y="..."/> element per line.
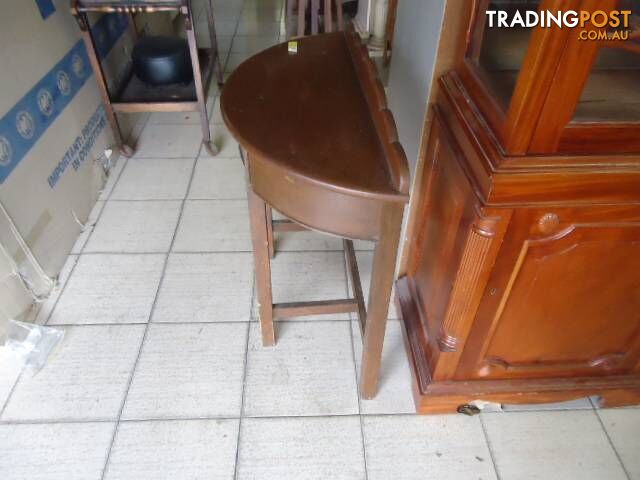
<point x="320" y="114"/>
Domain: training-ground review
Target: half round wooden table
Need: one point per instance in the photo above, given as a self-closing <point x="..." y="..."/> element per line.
<point x="322" y="149"/>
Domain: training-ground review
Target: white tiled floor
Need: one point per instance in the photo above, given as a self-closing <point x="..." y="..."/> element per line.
<point x="162" y="374"/>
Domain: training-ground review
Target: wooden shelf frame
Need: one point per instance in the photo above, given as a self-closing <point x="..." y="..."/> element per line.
<point x="205" y="61"/>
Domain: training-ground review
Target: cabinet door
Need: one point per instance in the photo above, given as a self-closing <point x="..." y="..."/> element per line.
<point x="593" y="105"/>
<point x="564" y="297"/>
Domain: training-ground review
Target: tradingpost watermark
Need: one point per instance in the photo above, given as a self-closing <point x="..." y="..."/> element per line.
<point x="598" y="25"/>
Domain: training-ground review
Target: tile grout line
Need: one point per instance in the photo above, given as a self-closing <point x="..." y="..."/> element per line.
<point x="204" y="252"/>
<point x="226" y="417"/>
<point x="244" y="384"/>
<point x="13" y="387"/>
<point x="62" y="288"/>
<point x="613" y="447"/>
<point x="355" y="371"/>
<point x="146" y="329"/>
<point x="177" y="199"/>
<point x="253" y="280"/>
<point x="200" y="418"/>
<point x="489" y="447"/>
<point x="104" y="204"/>
<point x="219" y="322"/>
<point x="155" y="157"/>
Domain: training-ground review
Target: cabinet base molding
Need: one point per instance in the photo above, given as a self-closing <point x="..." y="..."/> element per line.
<point x="446" y="396"/>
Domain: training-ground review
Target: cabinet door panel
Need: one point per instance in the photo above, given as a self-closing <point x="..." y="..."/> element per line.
<point x="570" y="306"/>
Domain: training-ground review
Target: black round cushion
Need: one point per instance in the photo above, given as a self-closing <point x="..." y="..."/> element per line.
<point x="162" y="60"/>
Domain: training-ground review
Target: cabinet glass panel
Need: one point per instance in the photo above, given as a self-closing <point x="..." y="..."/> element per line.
<point x="499" y="52"/>
<point x="612" y="91"/>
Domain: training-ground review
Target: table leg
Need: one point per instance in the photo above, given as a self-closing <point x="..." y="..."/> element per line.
<point x="199" y="86"/>
<point x="272" y="246"/>
<point x="384" y="262"/>
<point x="258" y="215"/>
<point x="90" y="45"/>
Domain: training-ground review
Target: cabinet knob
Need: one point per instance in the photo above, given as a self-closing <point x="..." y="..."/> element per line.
<point x="548" y="222"/>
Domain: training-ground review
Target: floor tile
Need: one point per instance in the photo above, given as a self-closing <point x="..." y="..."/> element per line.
<point x="9" y="373"/>
<point x="85" y="379"/>
<point x="114" y="174"/>
<point x="623" y="427"/>
<point x="154" y="179"/>
<point x="216" y="115"/>
<point x="182" y="118"/>
<point x="110" y="289"/>
<point x="308" y="276"/>
<point x="305" y="241"/>
<point x="262" y="15"/>
<point x="41" y="316"/>
<point x="365" y="264"/>
<point x="224" y="47"/>
<point x="579" y="404"/>
<point x="227" y="145"/>
<point x="262" y="4"/>
<point x="135" y="227"/>
<point x="219" y="179"/>
<point x="169" y="141"/>
<point x="189" y="371"/>
<point x="234" y="60"/>
<point x="89" y="225"/>
<point x="559" y="445"/>
<point x="363" y="245"/>
<point x="253" y="44"/>
<point x="412" y="447"/>
<point x="206" y="288"/>
<point x="214" y="226"/>
<point x="310" y="371"/>
<point x="394" y="390"/>
<point x="175" y="450"/>
<point x="225" y="27"/>
<point x="249" y="27"/>
<point x="132" y="125"/>
<point x="301" y="449"/>
<point x="61" y="451"/>
<point x="310" y="240"/>
<point x="176" y="118"/>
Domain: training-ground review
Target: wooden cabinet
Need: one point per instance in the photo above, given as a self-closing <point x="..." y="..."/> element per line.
<point x="523" y="276"/>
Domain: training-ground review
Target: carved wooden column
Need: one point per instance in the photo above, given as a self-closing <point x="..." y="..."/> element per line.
<point x="478" y="255"/>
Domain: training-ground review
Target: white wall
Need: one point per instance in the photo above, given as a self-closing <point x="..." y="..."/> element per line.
<point x="415" y="45"/>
